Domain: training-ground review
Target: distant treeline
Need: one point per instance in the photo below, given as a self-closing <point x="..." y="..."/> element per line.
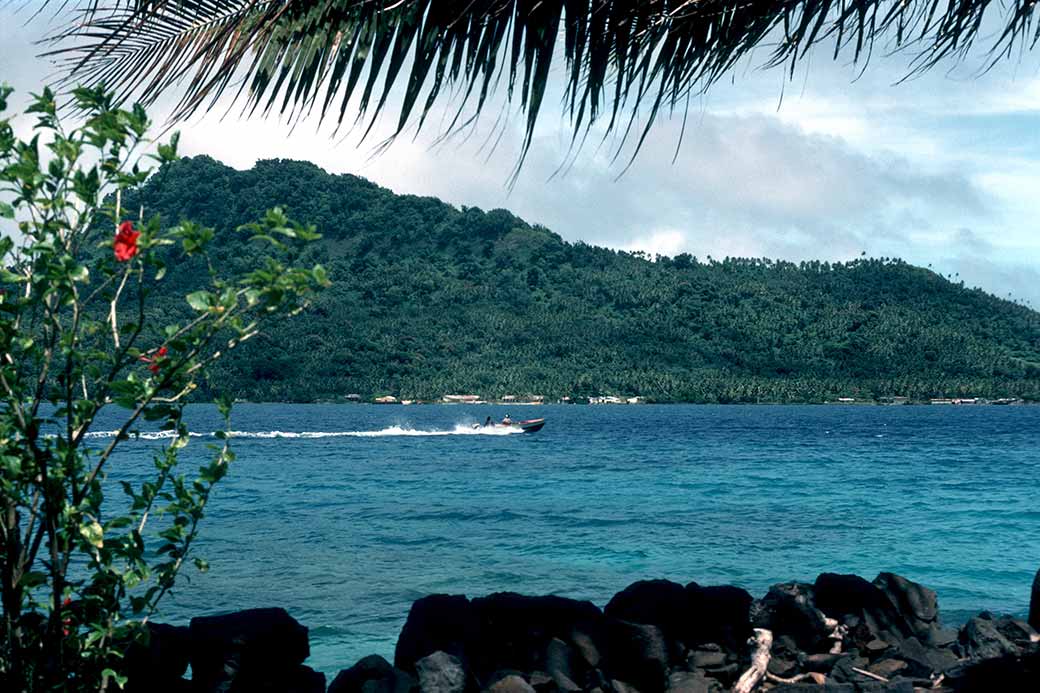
<point x="429" y="299"/>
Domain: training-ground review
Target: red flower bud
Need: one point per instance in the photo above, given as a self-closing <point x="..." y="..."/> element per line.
<point x="125" y="245"/>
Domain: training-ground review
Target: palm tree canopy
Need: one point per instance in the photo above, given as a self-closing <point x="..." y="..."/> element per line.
<point x="622" y="61"/>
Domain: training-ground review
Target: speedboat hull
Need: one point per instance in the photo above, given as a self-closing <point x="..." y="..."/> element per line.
<point x="531" y="425"/>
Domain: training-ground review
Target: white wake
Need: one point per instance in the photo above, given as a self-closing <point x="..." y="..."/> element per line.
<point x="389" y="432"/>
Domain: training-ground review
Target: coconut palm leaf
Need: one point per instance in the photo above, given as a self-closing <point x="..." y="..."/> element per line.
<point x="623" y="61"/>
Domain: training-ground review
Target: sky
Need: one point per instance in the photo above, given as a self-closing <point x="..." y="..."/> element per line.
<point x="942" y="170"/>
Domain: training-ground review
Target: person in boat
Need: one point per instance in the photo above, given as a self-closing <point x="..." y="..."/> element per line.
<point x="487" y="422"/>
<point x="507" y="421"/>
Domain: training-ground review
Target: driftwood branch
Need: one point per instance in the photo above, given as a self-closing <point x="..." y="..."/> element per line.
<point x="761" y="643"/>
<point x="794" y="679"/>
<point x="870" y="674"/>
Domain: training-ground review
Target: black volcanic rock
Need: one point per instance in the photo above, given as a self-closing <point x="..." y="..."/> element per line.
<point x="1016" y="630"/>
<point x="514" y="631"/>
<point x="690" y="615"/>
<point x="720" y="614"/>
<point x="373" y="674"/>
<point x="789" y="609"/>
<point x="656" y="635"/>
<point x="1007" y="673"/>
<point x="510" y="683"/>
<point x="235" y="651"/>
<point x="158" y="660"/>
<point x="982" y="640"/>
<point x="850" y="598"/>
<point x="638" y="655"/>
<point x="918" y="606"/>
<point x="441" y="672"/>
<point x="660" y="603"/>
<point x="437" y="623"/>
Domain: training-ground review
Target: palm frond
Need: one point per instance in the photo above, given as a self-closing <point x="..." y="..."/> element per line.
<point x="623" y="61"/>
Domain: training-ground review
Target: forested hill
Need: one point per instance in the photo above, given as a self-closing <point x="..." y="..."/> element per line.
<point x="430" y="299"/>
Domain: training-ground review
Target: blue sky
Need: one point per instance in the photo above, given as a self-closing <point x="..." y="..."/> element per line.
<point x="941" y="170"/>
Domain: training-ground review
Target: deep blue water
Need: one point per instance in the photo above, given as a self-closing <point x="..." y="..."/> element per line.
<point x="345" y="531"/>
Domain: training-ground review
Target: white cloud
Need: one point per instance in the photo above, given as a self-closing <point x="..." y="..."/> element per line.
<point x="941" y="169"/>
<point x="668" y="242"/>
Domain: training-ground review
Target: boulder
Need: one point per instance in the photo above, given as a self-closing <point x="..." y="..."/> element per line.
<point x="918" y="605"/>
<point x="1034" y="603"/>
<point x="981" y="639"/>
<point x="585" y="647"/>
<point x="373" y="674"/>
<point x="923" y="661"/>
<point x="511" y="683"/>
<point x="689" y="682"/>
<point x="913" y="600"/>
<point x="542" y="682"/>
<point x="876" y="647"/>
<point x="851" y="599"/>
<point x="158" y="659"/>
<point x="558" y="665"/>
<point x="514" y="631"/>
<point x="437" y="623"/>
<point x="782" y="667"/>
<point x="637" y="654"/>
<point x="822" y="662"/>
<point x="888" y="668"/>
<point x="234" y="651"/>
<point x="301" y="680"/>
<point x="622" y="687"/>
<point x="441" y="672"/>
<point x="1016" y="630"/>
<point x="706" y="659"/>
<point x="660" y="603"/>
<point x="719" y="614"/>
<point x="789" y="609"/>
<point x="1007" y="673"/>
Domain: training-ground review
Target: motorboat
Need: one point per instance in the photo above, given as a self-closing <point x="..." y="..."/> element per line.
<point x="528" y="426"/>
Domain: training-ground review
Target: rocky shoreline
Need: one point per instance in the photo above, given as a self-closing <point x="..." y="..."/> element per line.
<point x="839" y="634"/>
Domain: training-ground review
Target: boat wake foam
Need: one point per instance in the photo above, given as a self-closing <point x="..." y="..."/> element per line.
<point x="391" y="431"/>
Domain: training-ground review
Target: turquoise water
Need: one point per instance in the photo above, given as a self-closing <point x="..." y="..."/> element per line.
<point x="351" y="512"/>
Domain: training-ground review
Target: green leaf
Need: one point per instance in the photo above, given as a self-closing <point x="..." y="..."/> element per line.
<point x="32" y="579"/>
<point x="118" y="678"/>
<point x="93" y="533"/>
<point x="200" y="300"/>
<point x="80" y="274"/>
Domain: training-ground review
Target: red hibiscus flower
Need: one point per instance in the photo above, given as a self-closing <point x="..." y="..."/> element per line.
<point x="153" y="361"/>
<point x="67" y="621"/>
<point x="125" y="246"/>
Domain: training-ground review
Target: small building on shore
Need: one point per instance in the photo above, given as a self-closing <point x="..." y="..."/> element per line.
<point x="461" y="399"/>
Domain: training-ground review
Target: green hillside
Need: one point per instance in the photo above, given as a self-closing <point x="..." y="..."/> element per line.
<point x="429" y="299"/>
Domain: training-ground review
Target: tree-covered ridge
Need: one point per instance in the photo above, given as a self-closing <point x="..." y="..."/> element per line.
<point x="429" y="299"/>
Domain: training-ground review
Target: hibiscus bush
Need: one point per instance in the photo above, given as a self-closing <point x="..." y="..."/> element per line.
<point x="80" y="577"/>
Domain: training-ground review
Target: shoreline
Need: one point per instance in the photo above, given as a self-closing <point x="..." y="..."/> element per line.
<point x="493" y="403"/>
<point x="840" y="633"/>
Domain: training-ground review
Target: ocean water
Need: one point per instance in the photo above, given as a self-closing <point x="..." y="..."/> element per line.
<point x="345" y="514"/>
